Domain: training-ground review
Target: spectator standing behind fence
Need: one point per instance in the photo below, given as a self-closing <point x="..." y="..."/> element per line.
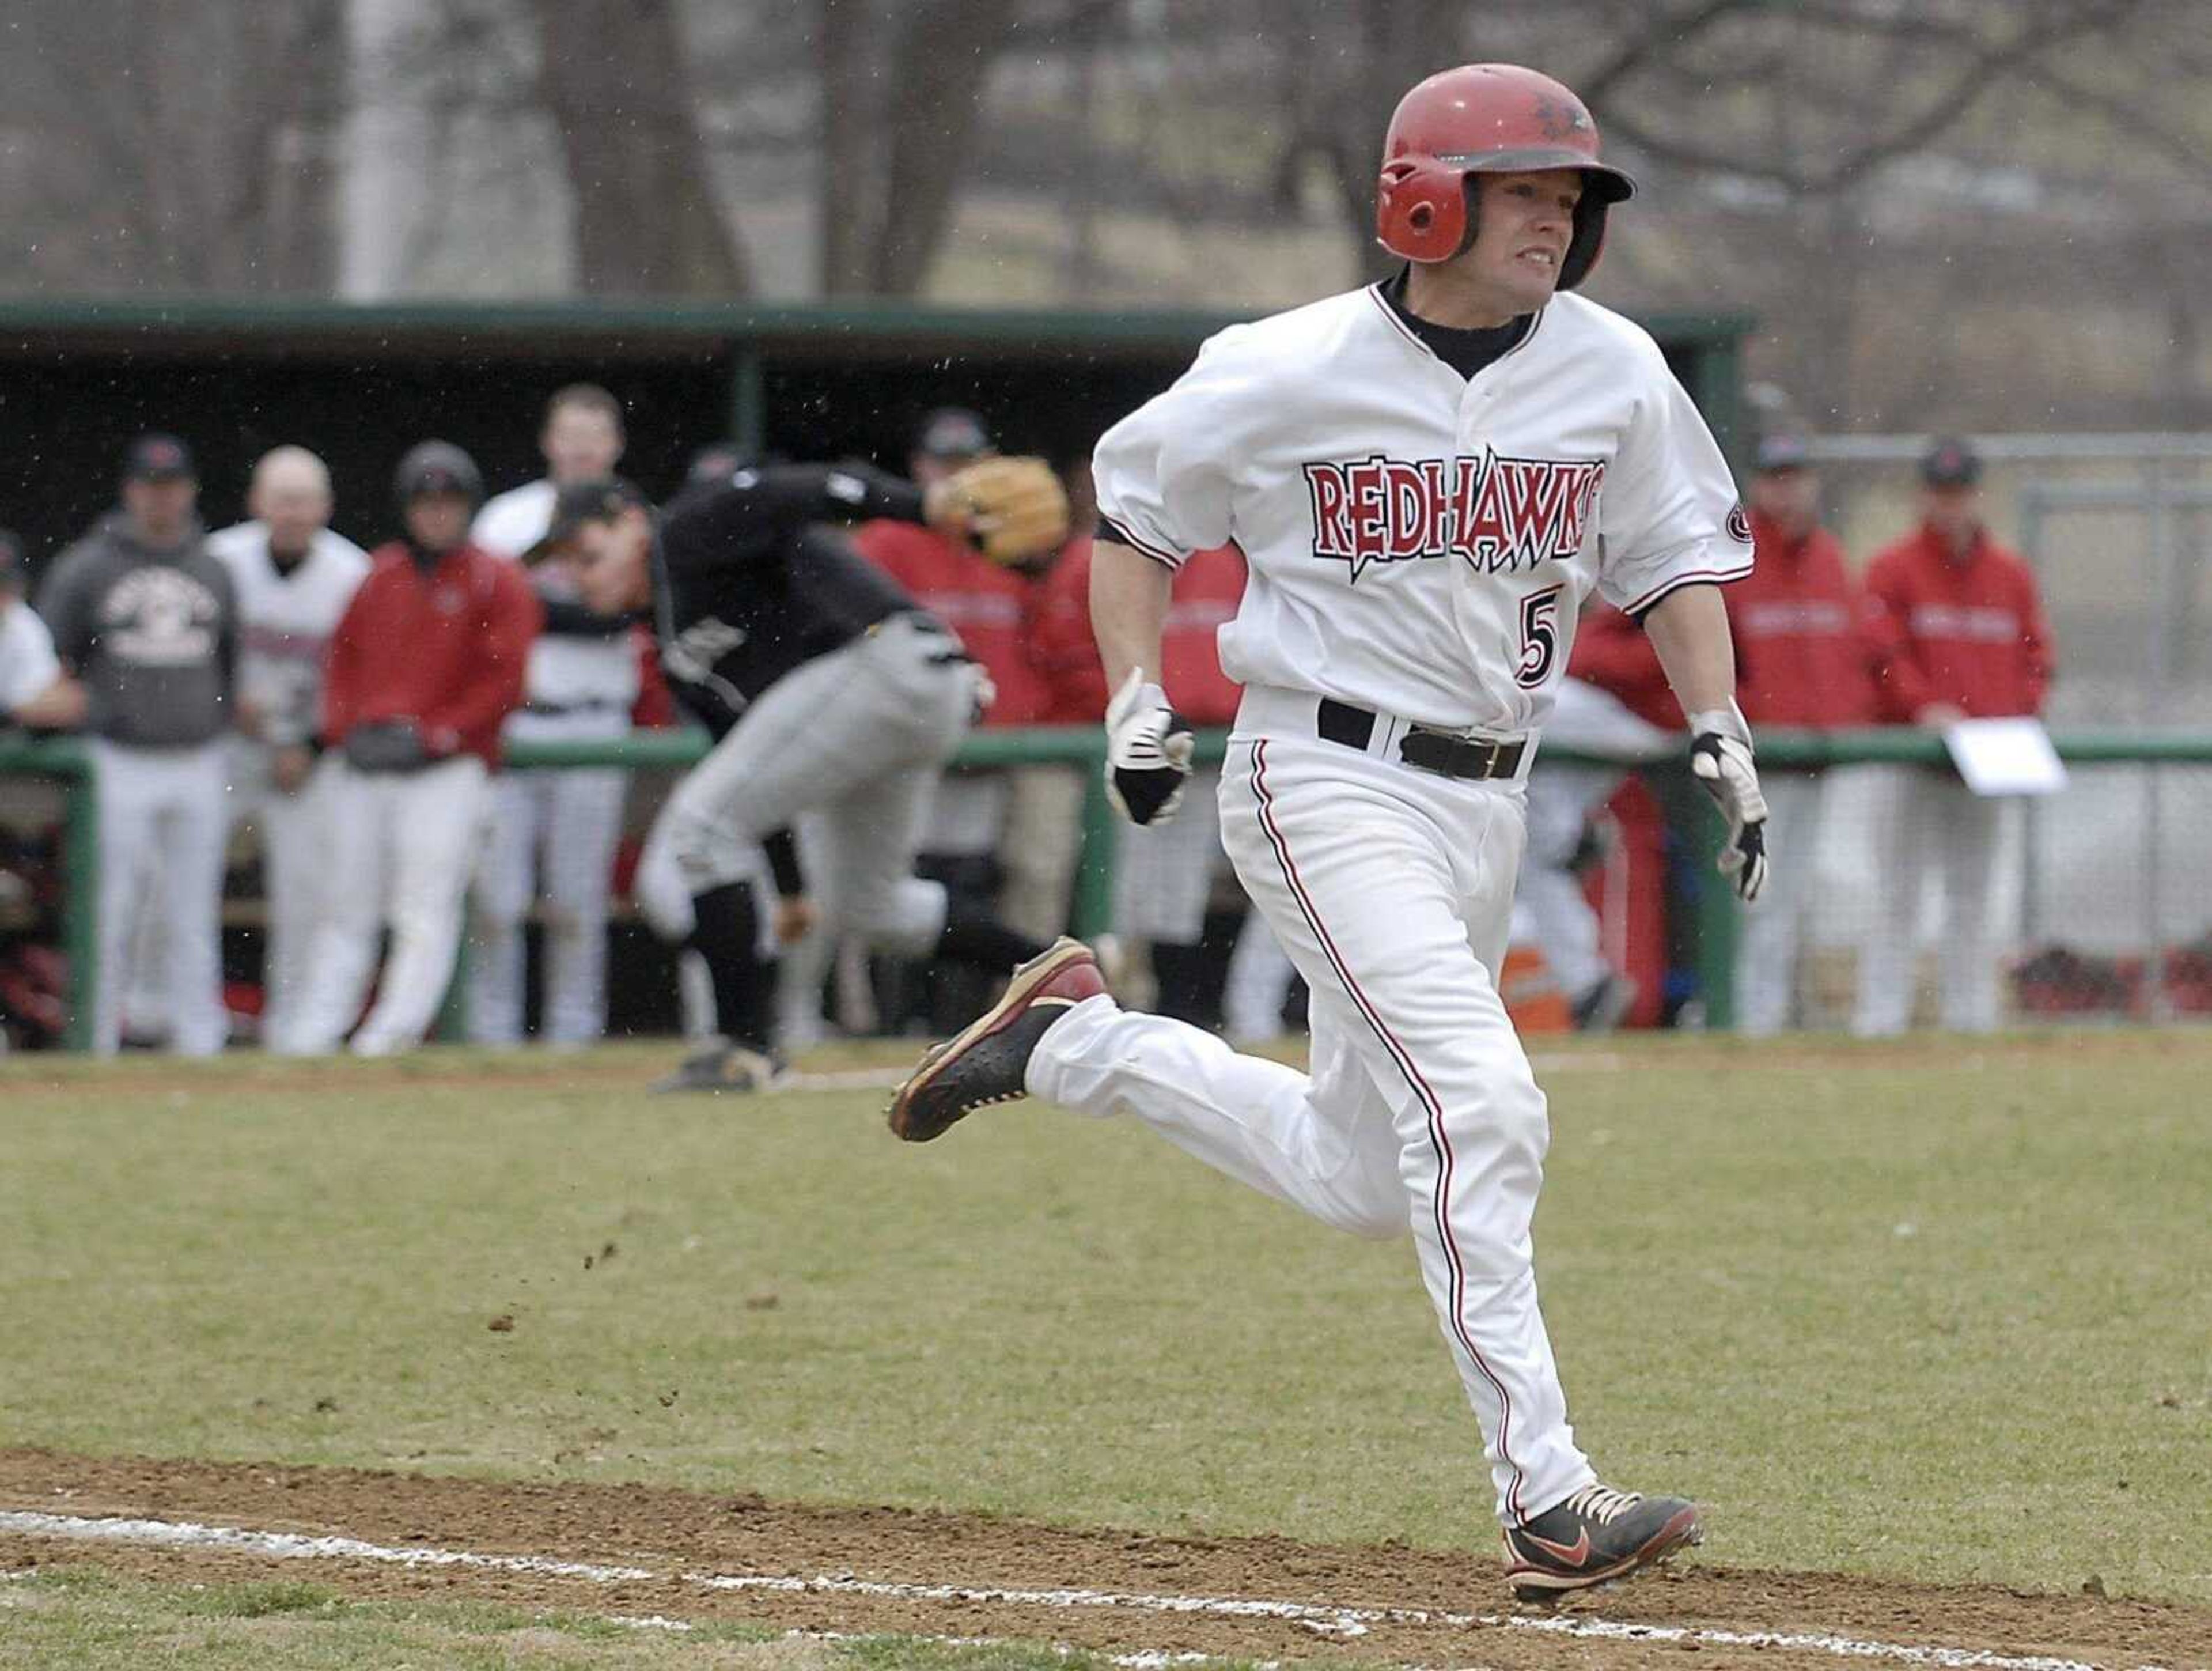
<point x="1959" y="631"/>
<point x="147" y="619"/>
<point x="582" y="683"/>
<point x="424" y="669"/>
<point x="1804" y="662"/>
<point x="34" y="690"/>
<point x="293" y="576"/>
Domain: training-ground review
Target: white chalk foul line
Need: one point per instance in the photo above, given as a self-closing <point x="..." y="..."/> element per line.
<point x="1322" y="1620"/>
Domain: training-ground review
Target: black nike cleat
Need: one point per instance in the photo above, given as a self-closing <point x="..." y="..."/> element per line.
<point x="984" y="1063"/>
<point x="1594" y="1537"/>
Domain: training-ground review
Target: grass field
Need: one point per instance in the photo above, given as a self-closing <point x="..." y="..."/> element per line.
<point x="1941" y="1310"/>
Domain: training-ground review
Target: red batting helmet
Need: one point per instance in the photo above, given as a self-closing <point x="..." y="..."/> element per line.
<point x="1487" y="118"/>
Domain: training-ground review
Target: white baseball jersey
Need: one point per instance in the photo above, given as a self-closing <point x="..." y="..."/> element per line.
<point x="565" y="672"/>
<point x="1419" y="543"/>
<point x="285" y="621"/>
<point x="28" y="665"/>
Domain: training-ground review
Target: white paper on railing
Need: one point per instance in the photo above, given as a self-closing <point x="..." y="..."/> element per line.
<point x="2005" y="756"/>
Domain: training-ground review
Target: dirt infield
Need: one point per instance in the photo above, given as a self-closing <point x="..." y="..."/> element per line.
<point x="636" y="1550"/>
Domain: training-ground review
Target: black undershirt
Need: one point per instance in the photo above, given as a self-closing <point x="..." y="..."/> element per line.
<point x="1466" y="352"/>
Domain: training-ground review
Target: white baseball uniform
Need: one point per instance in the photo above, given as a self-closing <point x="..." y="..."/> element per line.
<point x="579" y="688"/>
<point x="1419" y="543"/>
<point x="28" y="665"/>
<point x="285" y="622"/>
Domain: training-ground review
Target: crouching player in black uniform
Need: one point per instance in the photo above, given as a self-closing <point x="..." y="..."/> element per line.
<point x="828" y="691"/>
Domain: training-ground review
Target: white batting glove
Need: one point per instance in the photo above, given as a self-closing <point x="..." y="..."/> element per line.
<point x="1721" y="761"/>
<point x="1148" y="749"/>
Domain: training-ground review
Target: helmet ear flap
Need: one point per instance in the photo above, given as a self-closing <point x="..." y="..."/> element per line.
<point x="1421" y="210"/>
<point x="1588" y="240"/>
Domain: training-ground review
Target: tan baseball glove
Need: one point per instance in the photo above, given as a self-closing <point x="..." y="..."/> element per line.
<point x="1012" y="509"/>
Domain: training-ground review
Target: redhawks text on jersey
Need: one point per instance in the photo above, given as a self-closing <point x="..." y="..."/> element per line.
<point x="1496" y="513"/>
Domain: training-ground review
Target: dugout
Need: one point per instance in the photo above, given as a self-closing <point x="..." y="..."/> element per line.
<point x="360" y="385"/>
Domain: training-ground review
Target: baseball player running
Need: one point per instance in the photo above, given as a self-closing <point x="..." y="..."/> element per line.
<point x="1426" y="476"/>
<point x="293" y="576"/>
<point x="583" y="679"/>
<point x="827" y="690"/>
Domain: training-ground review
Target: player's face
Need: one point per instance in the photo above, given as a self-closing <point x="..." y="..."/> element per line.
<point x="294" y="505"/>
<point x="161" y="507"/>
<point x="613" y="569"/>
<point x="1523" y="223"/>
<point x="1953" y="512"/>
<point x="580" y="444"/>
<point x="1788" y="498"/>
<point x="438" y="521"/>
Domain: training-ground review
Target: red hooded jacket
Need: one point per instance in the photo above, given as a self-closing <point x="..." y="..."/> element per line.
<point x="989" y="607"/>
<point x="1803" y="651"/>
<point x="447" y="650"/>
<point x="1969" y="631"/>
<point x="1208" y="590"/>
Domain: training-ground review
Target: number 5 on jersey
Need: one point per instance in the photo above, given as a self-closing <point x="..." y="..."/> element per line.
<point x="1540" y="637"/>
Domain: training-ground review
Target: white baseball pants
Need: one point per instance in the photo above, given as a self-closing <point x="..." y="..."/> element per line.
<point x="1163" y="873"/>
<point x="403" y="846"/>
<point x="571" y="821"/>
<point x="164" y="818"/>
<point x="1772" y="932"/>
<point x="855" y="736"/>
<point x="1392" y="890"/>
<point x="1929" y="826"/>
<point x="1259" y="985"/>
<point x="1561" y="799"/>
<point x="297" y="880"/>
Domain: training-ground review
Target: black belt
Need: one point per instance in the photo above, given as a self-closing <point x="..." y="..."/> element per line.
<point x="589" y="705"/>
<point x="1440" y="751"/>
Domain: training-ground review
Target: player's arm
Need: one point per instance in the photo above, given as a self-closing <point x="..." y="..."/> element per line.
<point x="1689" y="628"/>
<point x="1148" y="744"/>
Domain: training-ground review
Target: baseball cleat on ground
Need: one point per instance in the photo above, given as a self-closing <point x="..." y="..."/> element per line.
<point x="721" y="1068"/>
<point x="1592" y="1538"/>
<point x="984" y="1063"/>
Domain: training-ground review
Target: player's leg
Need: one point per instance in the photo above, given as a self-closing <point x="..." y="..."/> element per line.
<point x="1260" y="976"/>
<point x="1163" y="876"/>
<point x="1412" y="929"/>
<point x="357" y="823"/>
<point x="1770" y="934"/>
<point x="587" y="816"/>
<point x="1975" y="865"/>
<point x="710" y="904"/>
<point x="196" y="829"/>
<point x="1042" y="835"/>
<point x="438" y="817"/>
<point x="505" y="881"/>
<point x="127" y="800"/>
<point x="1567" y="931"/>
<point x="1899" y="834"/>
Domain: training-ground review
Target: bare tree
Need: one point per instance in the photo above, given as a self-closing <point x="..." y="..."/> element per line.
<point x="616" y="84"/>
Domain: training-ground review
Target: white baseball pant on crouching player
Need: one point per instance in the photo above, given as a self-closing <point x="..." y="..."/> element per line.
<point x="1771" y="935"/>
<point x="1392" y="890"/>
<point x="574" y="818"/>
<point x="405" y="845"/>
<point x="1929" y="823"/>
<point x="163" y="816"/>
<point x="856" y="736"/>
<point x="664" y="900"/>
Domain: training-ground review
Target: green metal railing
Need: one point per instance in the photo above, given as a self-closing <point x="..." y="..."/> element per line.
<point x="65" y="760"/>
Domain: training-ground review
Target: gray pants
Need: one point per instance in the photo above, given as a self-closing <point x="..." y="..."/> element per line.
<point x="855" y="737"/>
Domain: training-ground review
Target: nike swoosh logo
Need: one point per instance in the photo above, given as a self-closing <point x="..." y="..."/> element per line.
<point x="1568" y="1555"/>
